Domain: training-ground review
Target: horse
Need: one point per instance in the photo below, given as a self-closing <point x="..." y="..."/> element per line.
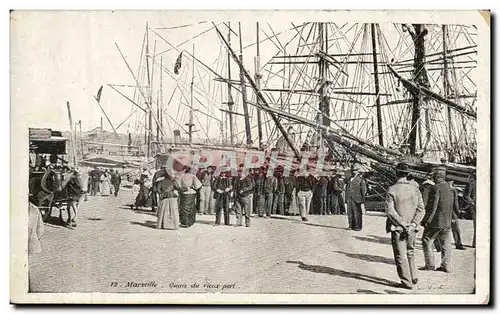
<point x="47" y="191"/>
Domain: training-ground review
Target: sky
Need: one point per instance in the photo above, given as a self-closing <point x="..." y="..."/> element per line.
<point x="60" y="56"/>
<point x="66" y="56"/>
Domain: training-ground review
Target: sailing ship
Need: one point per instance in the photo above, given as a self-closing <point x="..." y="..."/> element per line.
<point x="374" y="94"/>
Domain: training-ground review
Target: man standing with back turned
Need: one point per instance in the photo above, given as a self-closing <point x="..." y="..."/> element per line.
<point x="405" y="210"/>
<point x="437" y="222"/>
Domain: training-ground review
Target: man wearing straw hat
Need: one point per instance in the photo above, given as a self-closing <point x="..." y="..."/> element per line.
<point x="405" y="210"/>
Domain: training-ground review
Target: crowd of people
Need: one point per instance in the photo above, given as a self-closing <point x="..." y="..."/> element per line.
<point x="103" y="181"/>
<point x="177" y="199"/>
<point x="249" y="193"/>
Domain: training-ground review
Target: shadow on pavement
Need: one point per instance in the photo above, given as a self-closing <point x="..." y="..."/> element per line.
<point x="147" y="223"/>
<point x="284" y="218"/>
<point x="374" y="239"/>
<point x="369" y="258"/>
<point x="343" y="273"/>
<point x="393" y="292"/>
<point x="140" y="210"/>
<point x="204" y="222"/>
<point x="55" y="221"/>
<point x="367" y="291"/>
<point x="324" y="226"/>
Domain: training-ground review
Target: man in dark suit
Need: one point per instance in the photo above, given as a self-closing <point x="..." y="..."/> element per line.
<point x="470" y="198"/>
<point x="355" y="198"/>
<point x="437" y="222"/>
<point x="455" y="226"/>
<point x="335" y="194"/>
<point x="405" y="210"/>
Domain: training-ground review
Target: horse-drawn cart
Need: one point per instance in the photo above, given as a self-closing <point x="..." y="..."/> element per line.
<point x="47" y="149"/>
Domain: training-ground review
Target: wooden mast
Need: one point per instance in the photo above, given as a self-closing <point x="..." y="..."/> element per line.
<point x="73" y="144"/>
<point x="230" y="101"/>
<point x="258" y="76"/>
<point x="446" y="85"/>
<point x="419" y="76"/>
<point x="148" y="111"/>
<point x="161" y="100"/>
<point x="324" y="104"/>
<point x="244" y="93"/>
<point x="377" y="87"/>
<point x="264" y="103"/>
<point x="190" y="125"/>
<point x="81" y="137"/>
<point x="102" y="137"/>
<point x="151" y="103"/>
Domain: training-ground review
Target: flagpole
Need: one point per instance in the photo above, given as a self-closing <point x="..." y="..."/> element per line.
<point x="98" y="100"/>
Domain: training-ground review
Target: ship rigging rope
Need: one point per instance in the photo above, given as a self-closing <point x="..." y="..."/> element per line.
<point x="183" y="26"/>
<point x="388" y="82"/>
<point x="301" y="71"/>
<point x="186" y="41"/>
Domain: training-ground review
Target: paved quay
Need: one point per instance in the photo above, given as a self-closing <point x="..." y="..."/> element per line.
<point x="115" y="249"/>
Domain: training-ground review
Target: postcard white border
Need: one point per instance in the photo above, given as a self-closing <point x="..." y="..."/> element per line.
<point x="19" y="160"/>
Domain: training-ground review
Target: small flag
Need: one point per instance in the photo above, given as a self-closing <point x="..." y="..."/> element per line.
<point x="178" y="64"/>
<point x="98" y="97"/>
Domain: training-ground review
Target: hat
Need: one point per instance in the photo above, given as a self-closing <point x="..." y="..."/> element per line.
<point x="402" y="167"/>
<point x="439" y="169"/>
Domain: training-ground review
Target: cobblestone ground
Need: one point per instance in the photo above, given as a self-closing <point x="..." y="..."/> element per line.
<point x="113" y="245"/>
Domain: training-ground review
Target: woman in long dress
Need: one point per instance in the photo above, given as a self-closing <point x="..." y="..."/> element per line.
<point x="106" y="180"/>
<point x="294" y="206"/>
<point x="168" y="210"/>
<point x="189" y="184"/>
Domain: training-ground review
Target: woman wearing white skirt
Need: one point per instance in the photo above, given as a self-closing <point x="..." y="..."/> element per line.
<point x="294" y="206"/>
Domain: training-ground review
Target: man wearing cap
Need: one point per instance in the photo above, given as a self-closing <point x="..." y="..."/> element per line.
<point x="355" y="198"/>
<point x="270" y="187"/>
<point x="405" y="210"/>
<point x="279" y="195"/>
<point x="289" y="183"/>
<point x="116" y="180"/>
<point x="322" y="193"/>
<point x="72" y="183"/>
<point x="95" y="176"/>
<point x="222" y="188"/>
<point x="333" y="191"/>
<point x="259" y="194"/>
<point x="470" y="198"/>
<point x="206" y="178"/>
<point x="437" y="222"/>
<point x="305" y="185"/>
<point x="243" y="190"/>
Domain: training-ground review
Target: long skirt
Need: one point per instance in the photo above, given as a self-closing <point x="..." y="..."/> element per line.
<point x="105" y="188"/>
<point x="294" y="206"/>
<point x="187" y="209"/>
<point x="168" y="214"/>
